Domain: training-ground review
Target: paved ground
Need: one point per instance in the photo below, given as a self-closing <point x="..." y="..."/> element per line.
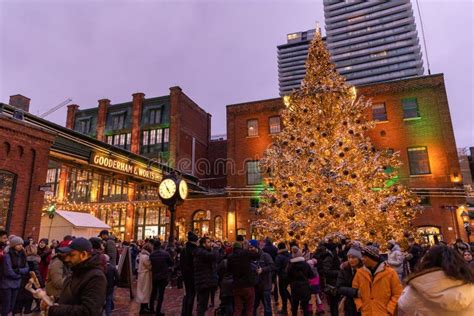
<point x="171" y="306"/>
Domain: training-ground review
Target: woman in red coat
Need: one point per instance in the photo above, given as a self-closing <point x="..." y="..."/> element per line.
<point x="45" y="254"/>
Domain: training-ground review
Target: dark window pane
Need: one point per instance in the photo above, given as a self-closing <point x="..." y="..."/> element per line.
<point x="410" y="108"/>
<point x="418" y="160"/>
<point x="254" y="176"/>
<point x="379" y="112"/>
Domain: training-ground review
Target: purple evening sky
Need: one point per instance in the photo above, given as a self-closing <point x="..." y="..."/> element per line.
<point x="219" y="52"/>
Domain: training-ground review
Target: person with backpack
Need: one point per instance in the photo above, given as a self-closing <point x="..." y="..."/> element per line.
<point x="281" y="263"/>
<point x="299" y="274"/>
<point x="264" y="268"/>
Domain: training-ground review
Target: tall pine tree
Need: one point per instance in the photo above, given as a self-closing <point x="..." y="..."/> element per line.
<point x="323" y="175"/>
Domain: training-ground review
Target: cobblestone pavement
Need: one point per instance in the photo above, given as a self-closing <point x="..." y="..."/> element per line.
<point x="171" y="305"/>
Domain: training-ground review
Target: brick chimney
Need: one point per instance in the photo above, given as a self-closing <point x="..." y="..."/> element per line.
<point x="71" y="115"/>
<point x="102" y="118"/>
<point x="21" y="102"/>
<point x="137" y="107"/>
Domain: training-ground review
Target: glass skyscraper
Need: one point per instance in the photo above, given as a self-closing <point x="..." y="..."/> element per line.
<point x="369" y="41"/>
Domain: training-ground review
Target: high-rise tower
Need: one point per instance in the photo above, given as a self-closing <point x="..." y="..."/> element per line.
<point x="369" y="41"/>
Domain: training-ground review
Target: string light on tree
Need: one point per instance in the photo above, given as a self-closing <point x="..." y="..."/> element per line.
<point x="326" y="176"/>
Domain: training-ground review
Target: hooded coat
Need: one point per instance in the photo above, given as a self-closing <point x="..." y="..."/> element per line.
<point x="378" y="293"/>
<point x="432" y="292"/>
<point x="299" y="274"/>
<point x="144" y="285"/>
<point x="57" y="274"/>
<point x="83" y="292"/>
<point x="395" y="259"/>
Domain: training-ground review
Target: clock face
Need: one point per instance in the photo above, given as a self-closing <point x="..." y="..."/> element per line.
<point x="183" y="189"/>
<point x="167" y="189"/>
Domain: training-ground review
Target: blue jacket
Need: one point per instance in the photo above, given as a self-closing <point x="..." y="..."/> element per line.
<point x="13" y="270"/>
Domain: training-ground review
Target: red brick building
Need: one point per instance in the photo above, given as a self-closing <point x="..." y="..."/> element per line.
<point x="412" y="118"/>
<point x="24" y="156"/>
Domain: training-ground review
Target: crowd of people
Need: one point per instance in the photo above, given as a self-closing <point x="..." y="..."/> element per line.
<point x="340" y="277"/>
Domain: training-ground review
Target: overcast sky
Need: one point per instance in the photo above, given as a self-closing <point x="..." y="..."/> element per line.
<point x="219" y="52"/>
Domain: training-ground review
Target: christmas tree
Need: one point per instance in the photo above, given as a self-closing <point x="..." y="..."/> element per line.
<point x="322" y="174"/>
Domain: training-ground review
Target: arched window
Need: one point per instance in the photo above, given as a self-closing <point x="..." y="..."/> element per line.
<point x="218" y="227"/>
<point x="430" y="234"/>
<point x="7" y="192"/>
<point x="201" y="221"/>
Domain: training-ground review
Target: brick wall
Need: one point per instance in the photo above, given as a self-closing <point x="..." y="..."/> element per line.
<point x="24" y="151"/>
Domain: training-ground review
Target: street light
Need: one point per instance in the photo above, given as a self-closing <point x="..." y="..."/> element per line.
<point x="467" y="224"/>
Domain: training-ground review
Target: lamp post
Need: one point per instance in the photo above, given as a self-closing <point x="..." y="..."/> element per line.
<point x="467" y="224"/>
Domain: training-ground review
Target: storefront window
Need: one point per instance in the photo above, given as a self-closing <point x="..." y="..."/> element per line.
<point x="201" y="221"/>
<point x="150" y="223"/>
<point x="114" y="190"/>
<point x="116" y="219"/>
<point x="7" y="190"/>
<point x="430" y="234"/>
<point x="218" y="227"/>
<point x="79" y="185"/>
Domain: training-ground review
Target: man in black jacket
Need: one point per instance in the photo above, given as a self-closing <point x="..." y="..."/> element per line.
<point x="161" y="264"/>
<point x="187" y="271"/>
<point x="205" y="273"/>
<point x="84" y="291"/>
<point x="272" y="251"/>
<point x="265" y="269"/>
<point x="110" y="249"/>
<point x="281" y="263"/>
<point x="239" y="265"/>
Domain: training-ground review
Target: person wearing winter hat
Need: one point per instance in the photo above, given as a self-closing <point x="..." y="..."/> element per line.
<point x="14" y="267"/>
<point x="395" y="258"/>
<point x="377" y="284"/>
<point x="299" y="272"/>
<point x="281" y="263"/>
<point x="345" y="278"/>
<point x="187" y="270"/>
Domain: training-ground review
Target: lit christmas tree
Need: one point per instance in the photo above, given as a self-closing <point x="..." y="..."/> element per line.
<point x="323" y="175"/>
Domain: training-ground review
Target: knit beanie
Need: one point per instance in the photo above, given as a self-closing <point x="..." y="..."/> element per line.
<point x="253" y="243"/>
<point x="372" y="252"/>
<point x="16" y="241"/>
<point x="296" y="252"/>
<point x="355" y="251"/>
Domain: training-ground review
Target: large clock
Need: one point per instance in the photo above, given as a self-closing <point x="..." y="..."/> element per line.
<point x="183" y="189"/>
<point x="167" y="189"/>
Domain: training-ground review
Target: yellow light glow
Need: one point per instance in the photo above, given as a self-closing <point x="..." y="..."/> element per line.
<point x="286" y="100"/>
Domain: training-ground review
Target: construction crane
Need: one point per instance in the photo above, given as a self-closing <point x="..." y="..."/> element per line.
<point x="57" y="107"/>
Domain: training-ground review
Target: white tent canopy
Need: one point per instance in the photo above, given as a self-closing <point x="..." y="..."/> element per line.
<point x="76" y="224"/>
